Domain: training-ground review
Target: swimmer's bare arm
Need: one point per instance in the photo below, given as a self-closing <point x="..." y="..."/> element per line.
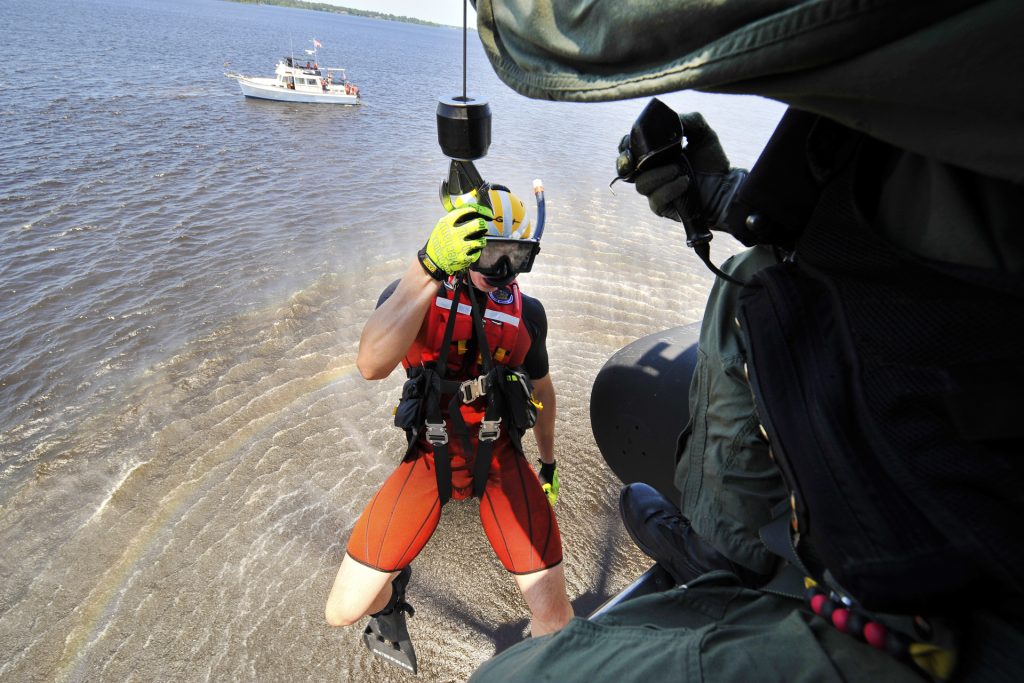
<point x="544" y="430"/>
<point x="392" y="328"/>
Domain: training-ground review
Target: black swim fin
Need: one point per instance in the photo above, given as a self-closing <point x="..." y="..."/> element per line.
<point x="386" y="635"/>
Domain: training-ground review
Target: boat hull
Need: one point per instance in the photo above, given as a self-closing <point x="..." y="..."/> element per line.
<point x="269" y="90"/>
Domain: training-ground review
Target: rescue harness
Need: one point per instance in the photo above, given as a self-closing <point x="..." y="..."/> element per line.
<point x="507" y="389"/>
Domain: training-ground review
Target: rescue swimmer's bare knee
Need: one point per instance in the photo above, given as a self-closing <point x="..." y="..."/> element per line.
<point x="545" y="595"/>
<point x="348" y="608"/>
<point x="358" y="591"/>
<point x="337" y="617"/>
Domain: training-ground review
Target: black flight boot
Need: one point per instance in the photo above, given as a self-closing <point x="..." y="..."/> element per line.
<point x="659" y="529"/>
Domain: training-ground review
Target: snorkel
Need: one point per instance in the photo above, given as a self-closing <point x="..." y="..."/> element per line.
<point x="538" y="193"/>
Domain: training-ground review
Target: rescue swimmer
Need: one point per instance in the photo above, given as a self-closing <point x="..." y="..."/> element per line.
<point x="473" y="347"/>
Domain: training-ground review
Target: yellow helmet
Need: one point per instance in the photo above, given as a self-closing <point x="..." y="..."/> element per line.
<point x="510" y="218"/>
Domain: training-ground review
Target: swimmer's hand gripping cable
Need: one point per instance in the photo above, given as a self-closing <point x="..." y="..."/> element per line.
<point x="457" y="244"/>
<point x="456" y="241"/>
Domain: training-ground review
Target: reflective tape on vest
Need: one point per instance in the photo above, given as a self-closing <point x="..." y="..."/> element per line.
<point x="464" y="309"/>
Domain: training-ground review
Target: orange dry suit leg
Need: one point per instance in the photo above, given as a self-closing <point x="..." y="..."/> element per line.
<point x="516" y="515"/>
<point x="400" y="519"/>
<point x="517" y="518"/>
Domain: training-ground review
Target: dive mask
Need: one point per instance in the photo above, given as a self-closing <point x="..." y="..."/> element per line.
<point x="502" y="259"/>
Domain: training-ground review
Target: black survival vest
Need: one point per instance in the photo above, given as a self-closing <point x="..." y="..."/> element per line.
<point x="891" y="388"/>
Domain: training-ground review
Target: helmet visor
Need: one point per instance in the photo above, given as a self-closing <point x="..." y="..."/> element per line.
<point x="502" y="257"/>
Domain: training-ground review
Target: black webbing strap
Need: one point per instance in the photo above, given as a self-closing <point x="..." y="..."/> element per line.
<point x="482" y="466"/>
<point x="789" y="579"/>
<point x="903" y="629"/>
<point x="490" y="428"/>
<point x="435" y="428"/>
<point x="459" y="426"/>
<point x="433" y="389"/>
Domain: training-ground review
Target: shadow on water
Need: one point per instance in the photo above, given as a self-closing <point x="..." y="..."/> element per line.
<point x="302" y="111"/>
<point x="507" y="634"/>
<point x="599" y="593"/>
<point x="503" y="636"/>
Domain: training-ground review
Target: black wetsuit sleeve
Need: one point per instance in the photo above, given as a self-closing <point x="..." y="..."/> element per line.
<point x="536" y="321"/>
<point x="386" y="294"/>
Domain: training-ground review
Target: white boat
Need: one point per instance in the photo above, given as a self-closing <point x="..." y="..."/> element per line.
<point x="297" y="82"/>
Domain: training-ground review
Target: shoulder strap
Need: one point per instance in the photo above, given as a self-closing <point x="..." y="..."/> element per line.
<point x="490" y="427"/>
<point x="437" y="435"/>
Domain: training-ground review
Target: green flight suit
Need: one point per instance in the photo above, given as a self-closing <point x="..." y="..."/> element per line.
<point x="937" y="80"/>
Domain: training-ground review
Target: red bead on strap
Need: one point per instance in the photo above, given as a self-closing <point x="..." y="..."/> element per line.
<point x="817" y="602"/>
<point x="839" y="618"/>
<point x="874" y="633"/>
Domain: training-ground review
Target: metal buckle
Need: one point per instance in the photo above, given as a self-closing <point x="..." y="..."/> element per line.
<point x="490" y="430"/>
<point x="472" y="389"/>
<point x="436" y="433"/>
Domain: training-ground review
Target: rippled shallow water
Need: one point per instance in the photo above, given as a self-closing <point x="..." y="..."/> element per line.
<point x="184" y="441"/>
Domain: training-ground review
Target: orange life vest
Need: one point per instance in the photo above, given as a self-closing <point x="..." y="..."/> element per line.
<point x="507" y="338"/>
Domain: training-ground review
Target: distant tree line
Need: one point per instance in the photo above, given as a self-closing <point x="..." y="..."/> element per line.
<point x="324" y="7"/>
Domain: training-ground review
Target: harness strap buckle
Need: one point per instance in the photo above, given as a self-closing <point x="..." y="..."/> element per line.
<point x="437" y="435"/>
<point x="472" y="389"/>
<point x="490" y="430"/>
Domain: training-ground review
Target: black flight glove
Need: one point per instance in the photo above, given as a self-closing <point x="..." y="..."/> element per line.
<point x="695" y="187"/>
<point x="692" y="184"/>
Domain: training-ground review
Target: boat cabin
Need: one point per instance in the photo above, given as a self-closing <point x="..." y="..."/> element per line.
<point x="299" y="78"/>
<point x="295" y="76"/>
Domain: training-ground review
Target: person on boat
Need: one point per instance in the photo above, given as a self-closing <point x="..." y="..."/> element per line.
<point x="471" y="344"/>
<point x="851" y="471"/>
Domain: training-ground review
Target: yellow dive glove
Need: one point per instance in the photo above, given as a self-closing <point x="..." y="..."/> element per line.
<point x="549" y="480"/>
<point x="456" y="241"/>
